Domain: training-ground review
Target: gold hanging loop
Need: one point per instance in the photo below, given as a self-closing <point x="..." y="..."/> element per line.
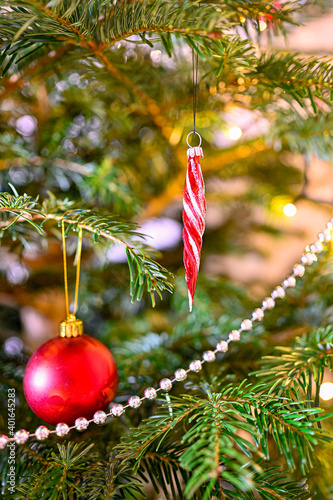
<point x="71" y="327"/>
<point x="78" y="268"/>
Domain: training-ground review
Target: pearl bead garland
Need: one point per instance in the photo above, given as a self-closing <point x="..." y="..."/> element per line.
<point x="208" y="356"/>
<point x="258" y="314"/>
<point x="180" y="374"/>
<point x="150" y="393"/>
<point x="100" y="417"/>
<point x="222" y="346"/>
<point x="246" y="325"/>
<point x="165" y="384"/>
<point x="134" y="401"/>
<point x="118" y="410"/>
<point x="62" y="429"/>
<point x="195" y="366"/>
<point x="235" y="335"/>
<point x="81" y="424"/>
<point x="3" y="441"/>
<point x="42" y="433"/>
<point x="21" y="436"/>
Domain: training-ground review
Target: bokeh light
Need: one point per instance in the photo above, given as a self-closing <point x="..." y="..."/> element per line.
<point x="326" y="391"/>
<point x="289" y="210"/>
<point x="26" y="125"/>
<point x="262" y="25"/>
<point x="13" y="346"/>
<point x="235" y="133"/>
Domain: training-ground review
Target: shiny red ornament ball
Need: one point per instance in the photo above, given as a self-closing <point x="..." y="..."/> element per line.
<point x="67" y="378"/>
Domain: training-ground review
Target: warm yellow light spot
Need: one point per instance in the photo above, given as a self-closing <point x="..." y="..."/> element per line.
<point x="326" y="391"/>
<point x="235" y="133"/>
<point x="240" y="81"/>
<point x="175" y="136"/>
<point x="289" y="210"/>
<point x="242" y="19"/>
<point x="262" y="25"/>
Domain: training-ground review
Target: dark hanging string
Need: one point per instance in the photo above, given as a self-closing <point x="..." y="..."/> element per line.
<point x="195" y="61"/>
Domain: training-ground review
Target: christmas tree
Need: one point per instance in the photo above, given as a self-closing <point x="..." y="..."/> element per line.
<point x="96" y="101"/>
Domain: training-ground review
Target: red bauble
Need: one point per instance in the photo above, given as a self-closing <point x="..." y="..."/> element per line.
<point x="67" y="378"/>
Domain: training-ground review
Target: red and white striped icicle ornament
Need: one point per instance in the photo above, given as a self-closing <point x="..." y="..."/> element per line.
<point x="194" y="213"/>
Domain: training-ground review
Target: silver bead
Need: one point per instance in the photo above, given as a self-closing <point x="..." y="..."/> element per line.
<point x="222" y="346"/>
<point x="180" y="374"/>
<point x="246" y="325"/>
<point x="134" y="401"/>
<point x="308" y="258"/>
<point x="195" y="366"/>
<point x="299" y="270"/>
<point x="235" y="335"/>
<point x="257" y="314"/>
<point x="289" y="282"/>
<point x="62" y="429"/>
<point x="3" y="441"/>
<point x="165" y="384"/>
<point x="278" y="293"/>
<point x="326" y="235"/>
<point x="117" y="410"/>
<point x="268" y="303"/>
<point x="42" y="433"/>
<point x="81" y="424"/>
<point x="316" y="247"/>
<point x="304" y="259"/>
<point x="329" y="224"/>
<point x="21" y="436"/>
<point x="150" y="393"/>
<point x="208" y="356"/>
<point x="100" y="417"/>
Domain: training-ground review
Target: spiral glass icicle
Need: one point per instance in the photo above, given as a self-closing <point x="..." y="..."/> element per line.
<point x="194" y="213"/>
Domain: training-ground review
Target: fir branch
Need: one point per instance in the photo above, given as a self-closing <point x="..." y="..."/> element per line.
<point x="292" y="371"/>
<point x="145" y="273"/>
<point x="305" y="135"/>
<point x="297" y="76"/>
<point x="279" y="417"/>
<point x="34" y="22"/>
<point x="272" y="484"/>
<point x="18" y="80"/>
<point x="150" y="104"/>
<point x="60" y="475"/>
<point x="74" y="471"/>
<point x="212" y="447"/>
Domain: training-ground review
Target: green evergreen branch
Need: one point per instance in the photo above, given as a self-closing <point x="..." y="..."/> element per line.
<point x="291" y="372"/>
<point x="297" y="76"/>
<point x="74" y="472"/>
<point x="306" y="135"/>
<point x="109" y="22"/>
<point x="230" y="57"/>
<point x="145" y="273"/>
<point x="210" y="445"/>
<point x="12" y="84"/>
<point x="272" y="484"/>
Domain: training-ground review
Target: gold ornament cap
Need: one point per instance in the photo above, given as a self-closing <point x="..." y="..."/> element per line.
<point x="71" y="327"/>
